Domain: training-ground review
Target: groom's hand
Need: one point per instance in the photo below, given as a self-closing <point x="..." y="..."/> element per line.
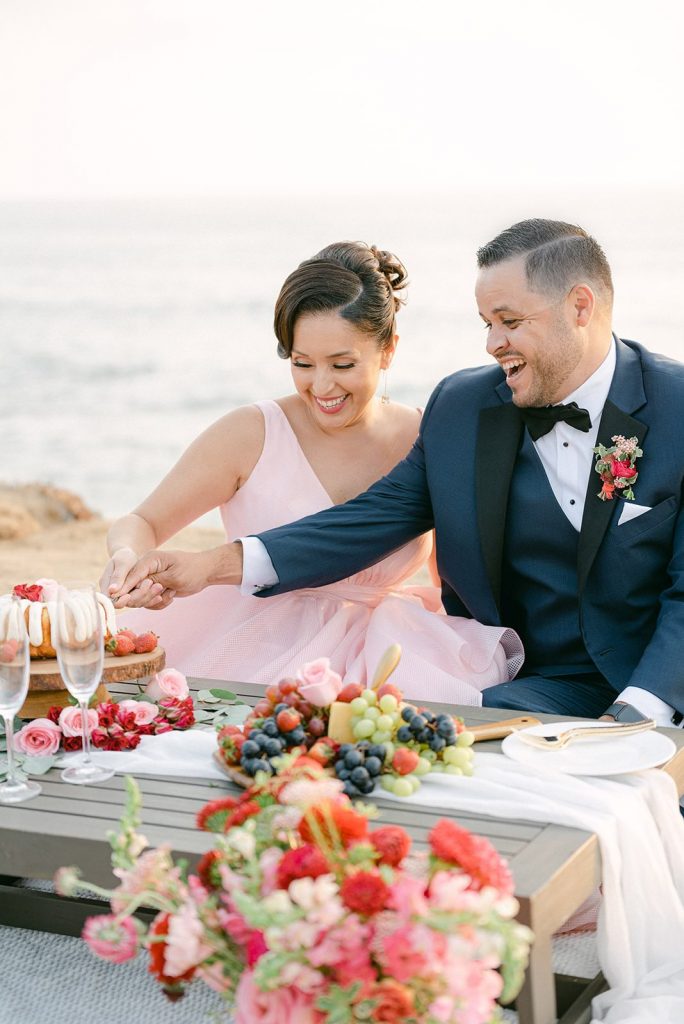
<point x="180" y="573"/>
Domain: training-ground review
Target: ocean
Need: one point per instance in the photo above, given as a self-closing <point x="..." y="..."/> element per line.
<point x="126" y="327"/>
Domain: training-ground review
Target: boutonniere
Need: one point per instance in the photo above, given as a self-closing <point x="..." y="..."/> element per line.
<point x="616" y="465"/>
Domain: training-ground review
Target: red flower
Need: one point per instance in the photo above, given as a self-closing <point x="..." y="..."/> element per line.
<point x="29" y="591"/>
<point x="303" y="862"/>
<point x="106" y="714"/>
<point x="473" y="854"/>
<point x="350" y="825"/>
<point x="365" y="892"/>
<point x="392" y="843"/>
<point x="623" y="469"/>
<point x="160" y="926"/>
<point x="53" y="713"/>
<point x="241" y="813"/>
<point x="393" y="1001"/>
<point x="212" y="817"/>
<point x="205" y="869"/>
<point x="72" y="742"/>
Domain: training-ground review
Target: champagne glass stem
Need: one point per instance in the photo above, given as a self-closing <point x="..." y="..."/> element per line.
<point x="12" y="780"/>
<point x="83" y="704"/>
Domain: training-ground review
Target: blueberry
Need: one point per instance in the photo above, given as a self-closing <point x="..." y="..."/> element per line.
<point x="269" y="728"/>
<point x="425" y="735"/>
<point x="408" y="713"/>
<point x="428" y="715"/>
<point x="260" y="764"/>
<point x="367" y="787"/>
<point x="247" y="765"/>
<point x="437" y="743"/>
<point x="342" y="772"/>
<point x="344" y="749"/>
<point x="404" y="734"/>
<point x="417" y="723"/>
<point x="262" y="740"/>
<point x="250" y="749"/>
<point x="445" y="727"/>
<point x="377" y="750"/>
<point x="350" y="790"/>
<point x="273" y="748"/>
<point x="353" y="759"/>
<point x="373" y="765"/>
<point x="296" y="737"/>
<point x="359" y="776"/>
<point x="280" y="707"/>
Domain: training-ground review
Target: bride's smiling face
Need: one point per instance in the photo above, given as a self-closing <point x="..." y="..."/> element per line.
<point x="335" y="368"/>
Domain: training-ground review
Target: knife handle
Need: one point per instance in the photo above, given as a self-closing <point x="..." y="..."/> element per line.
<point x="498" y="730"/>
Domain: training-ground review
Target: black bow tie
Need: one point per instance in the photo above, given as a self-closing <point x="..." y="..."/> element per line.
<point x="540" y="421"/>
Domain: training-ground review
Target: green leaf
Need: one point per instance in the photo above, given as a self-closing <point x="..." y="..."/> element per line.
<point x="207" y="697"/>
<point x="223" y="694"/>
<point x="37" y="765"/>
<point x="204" y="715"/>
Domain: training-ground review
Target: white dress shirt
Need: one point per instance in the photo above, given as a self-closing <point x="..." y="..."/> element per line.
<point x="567" y="455"/>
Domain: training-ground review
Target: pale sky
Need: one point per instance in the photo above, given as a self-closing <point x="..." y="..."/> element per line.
<point x="214" y="97"/>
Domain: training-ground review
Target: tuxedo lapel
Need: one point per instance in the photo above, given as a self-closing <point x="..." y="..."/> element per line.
<point x="498" y="440"/>
<point x="626" y="395"/>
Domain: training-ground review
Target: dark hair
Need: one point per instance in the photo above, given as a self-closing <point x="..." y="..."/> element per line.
<point x="559" y="255"/>
<point x="353" y="279"/>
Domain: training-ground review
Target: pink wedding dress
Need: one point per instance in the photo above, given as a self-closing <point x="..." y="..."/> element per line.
<point x="221" y="634"/>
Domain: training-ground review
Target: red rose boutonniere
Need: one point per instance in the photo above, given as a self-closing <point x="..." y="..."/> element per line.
<point x="616" y="465"/>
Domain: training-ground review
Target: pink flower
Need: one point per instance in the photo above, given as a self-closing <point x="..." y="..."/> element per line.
<point x="142" y="710"/>
<point x="407" y="896"/>
<point x="214" y="977"/>
<point x="318" y="683"/>
<point x="185" y="947"/>
<point x="169" y="683"/>
<point x="412" y="950"/>
<point x="71" y="721"/>
<point x="110" y="938"/>
<point x="280" y="1006"/>
<point x="39" y="737"/>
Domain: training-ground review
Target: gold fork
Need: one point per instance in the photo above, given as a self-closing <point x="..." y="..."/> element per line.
<point x="585" y="732"/>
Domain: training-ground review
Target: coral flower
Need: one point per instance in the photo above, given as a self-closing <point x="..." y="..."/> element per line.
<point x="393" y="1001"/>
<point x="350" y="825"/>
<point x="473" y="854"/>
<point x="111" y="938"/>
<point x="212" y="817"/>
<point x="303" y="862"/>
<point x="392" y="843"/>
<point x="365" y="892"/>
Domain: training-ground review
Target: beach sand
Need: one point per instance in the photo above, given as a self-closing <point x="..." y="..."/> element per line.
<point x="45" y="532"/>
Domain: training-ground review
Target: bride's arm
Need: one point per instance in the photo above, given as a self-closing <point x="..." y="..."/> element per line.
<point x="208" y="474"/>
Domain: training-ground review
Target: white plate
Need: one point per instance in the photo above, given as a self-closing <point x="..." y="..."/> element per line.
<point x="605" y="756"/>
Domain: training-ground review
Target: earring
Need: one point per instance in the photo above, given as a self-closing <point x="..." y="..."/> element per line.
<point x="385" y="395"/>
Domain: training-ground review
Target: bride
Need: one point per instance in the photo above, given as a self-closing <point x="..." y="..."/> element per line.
<point x="267" y="464"/>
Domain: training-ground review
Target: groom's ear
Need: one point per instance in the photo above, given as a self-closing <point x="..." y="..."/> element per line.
<point x="583" y="301"/>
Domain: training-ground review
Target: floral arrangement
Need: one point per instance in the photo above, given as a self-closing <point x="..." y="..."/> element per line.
<point x="166" y="704"/>
<point x="616" y="467"/>
<point x="301" y="913"/>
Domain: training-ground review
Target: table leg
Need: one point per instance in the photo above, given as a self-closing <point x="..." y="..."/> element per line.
<point x="536" y="1002"/>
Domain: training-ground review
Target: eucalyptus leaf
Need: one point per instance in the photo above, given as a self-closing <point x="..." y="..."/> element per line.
<point x="37" y="765"/>
<point x="233" y="715"/>
<point x="204" y="715"/>
<point x="228" y="695"/>
<point x="207" y="697"/>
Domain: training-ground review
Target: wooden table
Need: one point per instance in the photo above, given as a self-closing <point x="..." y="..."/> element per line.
<point x="555" y="868"/>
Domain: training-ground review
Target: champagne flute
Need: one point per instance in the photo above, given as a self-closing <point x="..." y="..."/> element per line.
<point x="15" y="665"/>
<point x="79" y="645"/>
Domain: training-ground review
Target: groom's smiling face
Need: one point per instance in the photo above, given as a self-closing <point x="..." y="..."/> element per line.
<point x="530" y="334"/>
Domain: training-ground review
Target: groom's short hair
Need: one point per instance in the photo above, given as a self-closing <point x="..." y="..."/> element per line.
<point x="559" y="255"/>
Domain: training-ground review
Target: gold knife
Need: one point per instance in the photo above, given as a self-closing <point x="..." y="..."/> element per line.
<point x="586" y="732"/>
<point x="499" y="730"/>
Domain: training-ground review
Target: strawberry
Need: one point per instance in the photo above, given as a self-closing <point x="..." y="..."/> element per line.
<point x="288" y="719"/>
<point x="126" y="632"/>
<point x="8" y="650"/>
<point x="389" y="688"/>
<point x="145" y="643"/>
<point x="349" y="692"/>
<point x="29" y="591"/>
<point x="323" y="750"/>
<point x="404" y="760"/>
<point x="120" y="645"/>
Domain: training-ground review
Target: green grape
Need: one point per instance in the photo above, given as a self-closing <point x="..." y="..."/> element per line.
<point x="423" y="766"/>
<point x="402" y="786"/>
<point x="467" y="769"/>
<point x="358" y="706"/>
<point x="438" y="767"/>
<point x="429" y="755"/>
<point x="452" y="769"/>
<point x="465" y="739"/>
<point x="363" y="729"/>
<point x="370" y="697"/>
<point x="388" y="702"/>
<point x="384" y="722"/>
<point x="414" y="780"/>
<point x="389" y="749"/>
<point x="372" y="714"/>
<point x="379" y="736"/>
<point x="387" y="782"/>
<point x="459" y="756"/>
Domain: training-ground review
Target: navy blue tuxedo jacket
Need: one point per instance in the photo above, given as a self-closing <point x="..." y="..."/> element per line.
<point x="456" y="479"/>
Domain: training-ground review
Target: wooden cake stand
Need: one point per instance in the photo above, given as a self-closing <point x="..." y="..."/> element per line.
<point x="47" y="686"/>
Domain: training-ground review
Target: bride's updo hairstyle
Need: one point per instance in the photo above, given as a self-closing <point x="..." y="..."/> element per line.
<point x="355" y="280"/>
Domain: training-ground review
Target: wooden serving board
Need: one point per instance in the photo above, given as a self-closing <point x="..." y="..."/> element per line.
<point x="45" y="674"/>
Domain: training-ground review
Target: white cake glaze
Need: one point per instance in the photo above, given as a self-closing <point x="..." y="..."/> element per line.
<point x="77" y="603"/>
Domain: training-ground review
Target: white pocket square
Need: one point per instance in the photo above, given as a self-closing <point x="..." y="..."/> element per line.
<point x="631" y="511"/>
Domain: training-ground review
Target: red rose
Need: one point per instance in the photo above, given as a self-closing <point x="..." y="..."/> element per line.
<point x="72" y="742"/>
<point x="106" y="714"/>
<point x="623" y="469"/>
<point x="29" y="591"/>
<point x="53" y="713"/>
<point x="365" y="892"/>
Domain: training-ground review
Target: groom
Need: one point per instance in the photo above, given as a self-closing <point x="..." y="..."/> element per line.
<point x="528" y="534"/>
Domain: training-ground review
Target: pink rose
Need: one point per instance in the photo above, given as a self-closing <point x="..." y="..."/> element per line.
<point x="277" y="1006"/>
<point x="318" y="683"/>
<point x="39" y="737"/>
<point x="169" y="683"/>
<point x="110" y="938"/>
<point x="142" y="710"/>
<point x="71" y="721"/>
